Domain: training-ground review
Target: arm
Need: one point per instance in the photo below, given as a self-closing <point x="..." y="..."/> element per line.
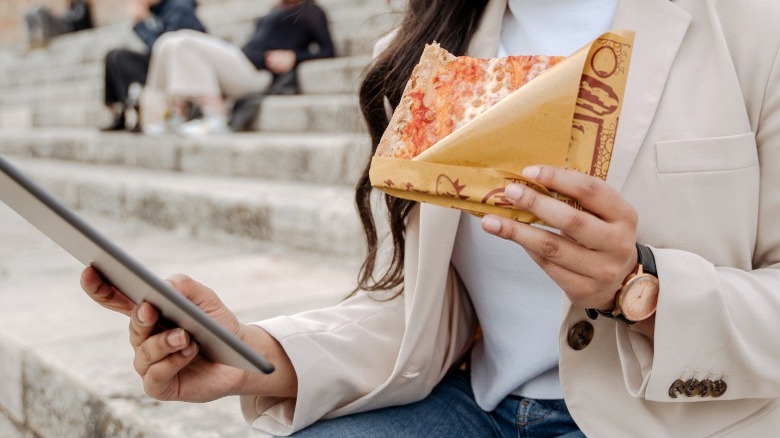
<point x="331" y="372"/>
<point x="736" y="308"/>
<point x="317" y="24"/>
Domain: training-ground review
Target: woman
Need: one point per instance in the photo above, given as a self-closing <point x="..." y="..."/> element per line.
<point x="694" y="180"/>
<point x="124" y="67"/>
<point x="191" y="66"/>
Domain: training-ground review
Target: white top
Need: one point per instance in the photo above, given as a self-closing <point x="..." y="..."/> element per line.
<point x="518" y="305"/>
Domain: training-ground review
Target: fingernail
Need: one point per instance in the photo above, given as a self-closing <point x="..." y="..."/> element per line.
<point x="514" y="191"/>
<point x="189" y="351"/>
<point x="491" y="224"/>
<point x="143" y="317"/>
<point x="176" y="338"/>
<point x="531" y="172"/>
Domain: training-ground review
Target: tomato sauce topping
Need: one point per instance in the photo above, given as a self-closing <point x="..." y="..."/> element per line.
<point x="461" y="90"/>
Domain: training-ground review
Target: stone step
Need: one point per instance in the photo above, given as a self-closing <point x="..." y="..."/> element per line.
<point x="308" y="217"/>
<point x="323" y="113"/>
<point x="339" y="75"/>
<point x="303" y="113"/>
<point x="79" y="90"/>
<point x="36" y="77"/>
<point x="332" y="76"/>
<point x="333" y="159"/>
<point x="66" y="363"/>
<point x="84" y="46"/>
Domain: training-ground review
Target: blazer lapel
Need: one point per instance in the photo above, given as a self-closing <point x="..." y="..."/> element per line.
<point x="660" y="27"/>
<point x="484" y="43"/>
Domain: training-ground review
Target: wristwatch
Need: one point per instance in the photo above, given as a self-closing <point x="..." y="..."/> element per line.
<point x="637" y="298"/>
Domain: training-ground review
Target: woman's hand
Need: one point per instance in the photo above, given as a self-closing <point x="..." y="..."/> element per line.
<point x="594" y="253"/>
<point x="168" y="362"/>
<point x="280" y="61"/>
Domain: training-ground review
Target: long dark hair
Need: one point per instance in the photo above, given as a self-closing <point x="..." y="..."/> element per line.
<point x="450" y="22"/>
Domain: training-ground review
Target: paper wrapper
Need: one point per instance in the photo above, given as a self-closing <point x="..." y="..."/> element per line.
<point x="566" y="117"/>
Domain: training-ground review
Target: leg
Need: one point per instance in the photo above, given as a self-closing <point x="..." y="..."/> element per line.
<point x="162" y="109"/>
<point x="123" y="68"/>
<point x="525" y="417"/>
<point x="194" y="64"/>
<point x="449" y="411"/>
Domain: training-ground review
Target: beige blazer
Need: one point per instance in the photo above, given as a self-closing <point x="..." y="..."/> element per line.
<point x="698" y="154"/>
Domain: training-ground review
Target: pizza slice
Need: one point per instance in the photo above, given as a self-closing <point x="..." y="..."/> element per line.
<point x="445" y="92"/>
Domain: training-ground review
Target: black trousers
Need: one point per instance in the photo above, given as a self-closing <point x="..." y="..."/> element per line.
<point x="123" y="67"/>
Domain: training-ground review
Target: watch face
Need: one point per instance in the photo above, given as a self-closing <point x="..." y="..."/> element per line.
<point x="639" y="298"/>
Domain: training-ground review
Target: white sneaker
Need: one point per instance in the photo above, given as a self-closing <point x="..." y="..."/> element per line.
<point x="205" y="126"/>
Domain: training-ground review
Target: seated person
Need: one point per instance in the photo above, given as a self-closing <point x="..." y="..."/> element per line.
<point x="192" y="66"/>
<point x="124" y="67"/>
<point x="43" y="24"/>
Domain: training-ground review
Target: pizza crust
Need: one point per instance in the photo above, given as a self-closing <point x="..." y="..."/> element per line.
<point x="432" y="62"/>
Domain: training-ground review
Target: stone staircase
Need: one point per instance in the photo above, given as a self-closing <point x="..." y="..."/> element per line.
<point x="282" y="194"/>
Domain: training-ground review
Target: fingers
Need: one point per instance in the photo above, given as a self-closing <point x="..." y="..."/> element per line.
<point x="205" y="299"/>
<point x="610" y="217"/>
<point x="594" y="252"/>
<point x="592" y="193"/>
<point x="161" y="380"/>
<point x="581" y="226"/>
<point x="159" y="357"/>
<point x="197" y="293"/>
<point x="546" y="248"/>
<point x="104" y="293"/>
<point x="586" y="276"/>
<point x="151" y="348"/>
<point x="142" y="323"/>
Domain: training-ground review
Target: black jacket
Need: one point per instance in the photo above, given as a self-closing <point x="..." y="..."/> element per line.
<point x="167" y="16"/>
<point x="291" y="29"/>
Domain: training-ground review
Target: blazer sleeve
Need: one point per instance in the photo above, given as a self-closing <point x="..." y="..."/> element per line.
<point x="331" y="371"/>
<point x="718" y="322"/>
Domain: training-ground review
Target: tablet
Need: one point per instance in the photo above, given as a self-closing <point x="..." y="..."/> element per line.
<point x="91" y="248"/>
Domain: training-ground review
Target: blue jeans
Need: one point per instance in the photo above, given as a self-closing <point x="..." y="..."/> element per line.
<point x="450" y="411"/>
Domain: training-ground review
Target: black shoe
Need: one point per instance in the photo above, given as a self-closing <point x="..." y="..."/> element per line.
<point x="117" y="125"/>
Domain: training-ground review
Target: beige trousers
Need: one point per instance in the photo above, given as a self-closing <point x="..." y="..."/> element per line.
<point x="187" y="64"/>
<point x="192" y="64"/>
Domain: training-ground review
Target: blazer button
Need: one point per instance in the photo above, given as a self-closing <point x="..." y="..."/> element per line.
<point x="719" y="388"/>
<point x="677" y="388"/>
<point x="692" y="387"/>
<point x="705" y="388"/>
<point x="580" y="335"/>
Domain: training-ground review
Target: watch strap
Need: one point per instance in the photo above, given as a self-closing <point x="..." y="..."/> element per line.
<point x="644" y="258"/>
<point x="594" y="313"/>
